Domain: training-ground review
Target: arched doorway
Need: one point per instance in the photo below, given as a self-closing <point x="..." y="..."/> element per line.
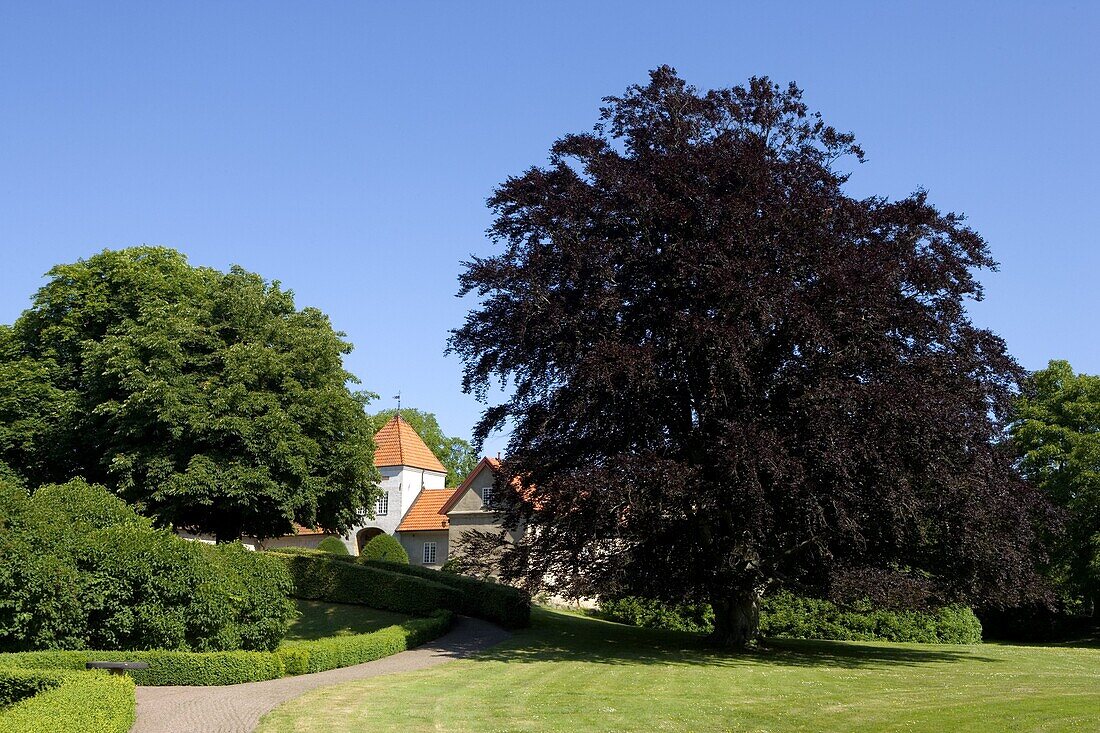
<point x="365" y="535"/>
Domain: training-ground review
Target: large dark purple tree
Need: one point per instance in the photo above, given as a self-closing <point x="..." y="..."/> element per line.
<point x="729" y="376"/>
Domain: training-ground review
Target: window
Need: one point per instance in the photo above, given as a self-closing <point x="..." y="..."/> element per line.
<point x="487" y="495"/>
<point x="382" y="507"/>
<point x="429" y="553"/>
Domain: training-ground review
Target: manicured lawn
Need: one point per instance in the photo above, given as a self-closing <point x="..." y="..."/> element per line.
<point x="573" y="674"/>
<point x="318" y="620"/>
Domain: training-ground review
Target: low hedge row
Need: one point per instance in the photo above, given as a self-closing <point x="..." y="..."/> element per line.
<point x="343" y="651"/>
<point x="791" y="616"/>
<point x="324" y="577"/>
<point x="230" y="668"/>
<point x="52" y="701"/>
<point x="502" y="604"/>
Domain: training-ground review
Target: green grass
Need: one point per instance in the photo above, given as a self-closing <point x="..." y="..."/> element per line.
<point x="318" y="620"/>
<point x="570" y="673"/>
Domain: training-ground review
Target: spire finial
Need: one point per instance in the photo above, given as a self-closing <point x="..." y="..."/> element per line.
<point x="398" y="398"/>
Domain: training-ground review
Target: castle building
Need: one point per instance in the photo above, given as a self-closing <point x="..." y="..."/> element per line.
<point x="415" y="506"/>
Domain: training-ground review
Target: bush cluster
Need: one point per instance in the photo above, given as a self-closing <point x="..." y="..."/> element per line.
<point x="53" y="701"/>
<point x="322" y="577"/>
<point x="235" y="667"/>
<point x="385" y="548"/>
<point x="788" y="615"/>
<point x="79" y="569"/>
<point x="502" y="604"/>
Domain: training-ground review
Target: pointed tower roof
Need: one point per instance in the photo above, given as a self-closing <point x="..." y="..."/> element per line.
<point x="397" y="444"/>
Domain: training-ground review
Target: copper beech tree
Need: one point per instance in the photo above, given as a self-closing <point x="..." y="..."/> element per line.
<point x="728" y="376"/>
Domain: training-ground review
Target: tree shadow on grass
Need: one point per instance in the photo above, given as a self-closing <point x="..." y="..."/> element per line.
<point x="556" y="637"/>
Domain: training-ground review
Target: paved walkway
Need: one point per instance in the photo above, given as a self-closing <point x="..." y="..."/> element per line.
<point x="238" y="708"/>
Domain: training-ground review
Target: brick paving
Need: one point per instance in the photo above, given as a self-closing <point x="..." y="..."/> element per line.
<point x="238" y="708"/>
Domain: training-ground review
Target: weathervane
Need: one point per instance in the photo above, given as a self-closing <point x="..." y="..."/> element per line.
<point x="398" y="398"/>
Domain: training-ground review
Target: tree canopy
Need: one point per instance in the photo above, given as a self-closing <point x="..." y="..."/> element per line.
<point x="456" y="454"/>
<point x="204" y="397"/>
<point x="728" y="376"/>
<point x="1057" y="433"/>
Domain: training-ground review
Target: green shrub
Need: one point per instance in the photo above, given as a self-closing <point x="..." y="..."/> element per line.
<point x="258" y="587"/>
<point x="385" y="548"/>
<point x="334" y="545"/>
<point x="323" y="577"/>
<point x="788" y="615"/>
<point x="502" y="604"/>
<point x="656" y="615"/>
<point x="67" y="702"/>
<point x="79" y="569"/>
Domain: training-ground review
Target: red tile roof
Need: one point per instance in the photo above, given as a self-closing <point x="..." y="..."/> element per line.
<point x="300" y="530"/>
<point x="397" y="444"/>
<point x="424" y="513"/>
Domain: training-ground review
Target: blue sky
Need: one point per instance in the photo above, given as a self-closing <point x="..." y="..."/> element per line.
<point x="347" y="148"/>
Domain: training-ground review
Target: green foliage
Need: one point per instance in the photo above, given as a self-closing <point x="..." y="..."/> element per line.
<point x="334" y="546"/>
<point x="652" y="614"/>
<point x="258" y="588"/>
<point x="236" y="667"/>
<point x="385" y="548"/>
<point x="205" y="397"/>
<point x="322" y="577"/>
<point x="1056" y="432"/>
<point x="502" y="604"/>
<point x="787" y="615"/>
<point x="456" y="454"/>
<point x="66" y="702"/>
<point x="80" y="569"/>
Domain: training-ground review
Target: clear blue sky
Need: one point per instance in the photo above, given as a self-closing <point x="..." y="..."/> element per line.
<point x="347" y="148"/>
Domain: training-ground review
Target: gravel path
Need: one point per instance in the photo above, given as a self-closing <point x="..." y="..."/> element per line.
<point x="238" y="708"/>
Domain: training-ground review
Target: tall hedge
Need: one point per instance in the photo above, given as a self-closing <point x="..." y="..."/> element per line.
<point x="79" y="569"/>
<point x="323" y="577"/>
<point x="54" y="701"/>
<point x="502" y="604"/>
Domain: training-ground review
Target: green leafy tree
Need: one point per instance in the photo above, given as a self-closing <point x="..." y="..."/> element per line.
<point x="456" y="454"/>
<point x="1057" y="434"/>
<point x="204" y="397"/>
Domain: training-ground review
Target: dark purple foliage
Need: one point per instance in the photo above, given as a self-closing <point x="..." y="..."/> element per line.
<point x="729" y="376"/>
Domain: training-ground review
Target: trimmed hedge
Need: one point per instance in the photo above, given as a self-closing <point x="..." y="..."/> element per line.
<point x="787" y="615"/>
<point x="343" y="651"/>
<point x="502" y="604"/>
<point x="67" y="702"/>
<point x="231" y="668"/>
<point x="322" y="577"/>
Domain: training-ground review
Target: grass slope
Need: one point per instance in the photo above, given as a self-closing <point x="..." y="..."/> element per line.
<point x="318" y="620"/>
<point x="570" y="673"/>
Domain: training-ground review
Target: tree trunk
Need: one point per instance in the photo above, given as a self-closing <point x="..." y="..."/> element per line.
<point x="736" y="619"/>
